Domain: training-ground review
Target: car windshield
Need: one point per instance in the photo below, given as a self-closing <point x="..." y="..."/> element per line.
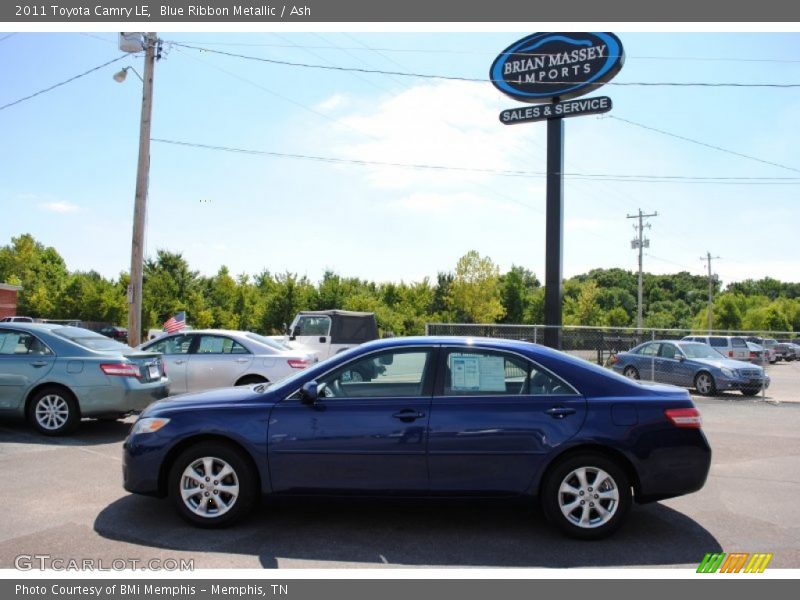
<point x="88" y="339"/>
<point x="697" y="350"/>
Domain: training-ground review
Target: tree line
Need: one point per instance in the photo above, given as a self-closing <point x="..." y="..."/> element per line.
<point x="474" y="292"/>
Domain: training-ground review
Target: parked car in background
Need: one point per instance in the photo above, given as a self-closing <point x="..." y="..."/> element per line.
<point x="16" y="320"/>
<point x="692" y="365"/>
<point x="758" y="355"/>
<point x="327" y="332"/>
<point x="448" y="416"/>
<point x="54" y="375"/>
<point x="729" y="346"/>
<point x="795" y="350"/>
<point x="785" y="351"/>
<point x="116" y="333"/>
<point x="769" y="345"/>
<point x="202" y="359"/>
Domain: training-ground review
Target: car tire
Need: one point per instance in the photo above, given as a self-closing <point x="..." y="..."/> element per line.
<point x="53" y="411"/>
<point x="208" y="502"/>
<point x="704" y="384"/>
<point x="572" y="482"/>
<point x="631" y="372"/>
<point x="251" y="380"/>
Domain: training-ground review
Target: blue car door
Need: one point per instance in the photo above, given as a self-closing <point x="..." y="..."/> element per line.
<point x="494" y="417"/>
<point x="24" y="360"/>
<point x="368" y="430"/>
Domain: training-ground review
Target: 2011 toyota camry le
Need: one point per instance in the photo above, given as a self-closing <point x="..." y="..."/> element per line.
<point x="439" y="417"/>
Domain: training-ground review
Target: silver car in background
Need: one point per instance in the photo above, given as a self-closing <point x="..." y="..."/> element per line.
<point x="202" y="359"/>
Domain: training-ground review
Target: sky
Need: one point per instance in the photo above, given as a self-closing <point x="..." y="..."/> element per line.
<point x="68" y="156"/>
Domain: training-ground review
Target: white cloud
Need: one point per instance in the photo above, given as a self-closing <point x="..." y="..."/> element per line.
<point x="332" y="103"/>
<point x="60" y="206"/>
<point x="450" y="124"/>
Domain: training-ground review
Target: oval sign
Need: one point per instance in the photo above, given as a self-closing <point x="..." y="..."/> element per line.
<point x="544" y="66"/>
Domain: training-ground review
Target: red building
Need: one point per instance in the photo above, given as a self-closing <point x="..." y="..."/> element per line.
<point x="8" y="299"/>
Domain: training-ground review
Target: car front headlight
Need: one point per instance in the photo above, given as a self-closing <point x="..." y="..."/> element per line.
<point x="148" y="425"/>
<point x="728" y="372"/>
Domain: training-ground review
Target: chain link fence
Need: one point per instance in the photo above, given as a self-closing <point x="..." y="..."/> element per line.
<point x="595" y="344"/>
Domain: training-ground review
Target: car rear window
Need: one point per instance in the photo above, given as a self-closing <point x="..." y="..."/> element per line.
<point x="88" y="339"/>
<point x="717" y="342"/>
<point x="738" y="343"/>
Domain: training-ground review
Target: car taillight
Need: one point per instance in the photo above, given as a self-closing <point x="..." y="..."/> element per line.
<point x="164" y="367"/>
<point x="730" y="353"/>
<point x="297" y="363"/>
<point x="120" y="369"/>
<point x="684" y="417"/>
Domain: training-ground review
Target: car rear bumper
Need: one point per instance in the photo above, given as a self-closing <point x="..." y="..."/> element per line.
<point x="130" y="396"/>
<point x="678" y="464"/>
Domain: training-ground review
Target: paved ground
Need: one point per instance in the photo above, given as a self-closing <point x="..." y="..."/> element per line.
<point x="64" y="498"/>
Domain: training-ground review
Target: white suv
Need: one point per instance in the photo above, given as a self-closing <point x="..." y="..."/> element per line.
<point x="730" y="346"/>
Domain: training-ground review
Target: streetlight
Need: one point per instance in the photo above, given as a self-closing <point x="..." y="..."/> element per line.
<point x="149" y="43"/>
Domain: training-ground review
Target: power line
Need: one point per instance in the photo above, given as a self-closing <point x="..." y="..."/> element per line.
<point x="71" y="79"/>
<point x="363" y="46"/>
<point x="704" y="144"/>
<point x="432" y="167"/>
<point x="480" y="80"/>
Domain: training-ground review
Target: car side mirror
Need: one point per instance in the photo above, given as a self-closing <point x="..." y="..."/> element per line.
<point x="309" y="393"/>
<point x="681" y="357"/>
<point x="386" y="359"/>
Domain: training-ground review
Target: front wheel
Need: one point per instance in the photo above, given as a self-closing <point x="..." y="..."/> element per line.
<point x="587" y="496"/>
<point x="704" y="384"/>
<point x="212" y="484"/>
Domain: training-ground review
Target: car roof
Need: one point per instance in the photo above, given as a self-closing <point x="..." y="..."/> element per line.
<point x="32" y="326"/>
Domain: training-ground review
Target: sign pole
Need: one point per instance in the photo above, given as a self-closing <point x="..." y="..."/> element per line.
<point x="553" y="71"/>
<point x="554" y="229"/>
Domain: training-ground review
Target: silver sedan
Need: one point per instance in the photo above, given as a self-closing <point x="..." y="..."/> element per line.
<point x="211" y="358"/>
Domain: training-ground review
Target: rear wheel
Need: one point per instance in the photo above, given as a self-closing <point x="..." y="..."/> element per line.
<point x="212" y="484"/>
<point x="587" y="496"/>
<point x="631" y="372"/>
<point x="53" y="411"/>
<point x="704" y="384"/>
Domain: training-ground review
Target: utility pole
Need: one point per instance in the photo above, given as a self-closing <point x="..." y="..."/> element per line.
<point x="140" y="206"/>
<point x="709" y="258"/>
<point x="641" y="243"/>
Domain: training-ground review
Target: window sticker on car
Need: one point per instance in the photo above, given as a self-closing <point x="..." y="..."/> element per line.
<point x="478" y="373"/>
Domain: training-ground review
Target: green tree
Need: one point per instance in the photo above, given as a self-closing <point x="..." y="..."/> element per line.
<point x="475" y="291"/>
<point x="41" y="272"/>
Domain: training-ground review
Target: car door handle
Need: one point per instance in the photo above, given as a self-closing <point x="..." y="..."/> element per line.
<point x="39" y="363"/>
<point x="242" y="360"/>
<point x="179" y="362"/>
<point x="408" y="415"/>
<point x="559" y="412"/>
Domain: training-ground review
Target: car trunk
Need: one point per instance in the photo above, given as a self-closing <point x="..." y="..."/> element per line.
<point x="151" y="366"/>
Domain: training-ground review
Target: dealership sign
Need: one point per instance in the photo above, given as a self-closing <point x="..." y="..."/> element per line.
<point x="570" y="108"/>
<point x="547" y="66"/>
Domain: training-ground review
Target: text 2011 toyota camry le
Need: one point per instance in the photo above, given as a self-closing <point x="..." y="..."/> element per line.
<point x="437" y="417"/>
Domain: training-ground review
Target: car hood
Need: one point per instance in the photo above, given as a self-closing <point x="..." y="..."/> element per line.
<point x="721" y="362"/>
<point x="208" y="399"/>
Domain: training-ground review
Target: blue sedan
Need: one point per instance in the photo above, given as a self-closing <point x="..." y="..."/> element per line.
<point x="690" y="364"/>
<point x="53" y="375"/>
<point x="438" y="417"/>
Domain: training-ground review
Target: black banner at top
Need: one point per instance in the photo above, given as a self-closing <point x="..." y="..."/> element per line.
<point x="363" y="11"/>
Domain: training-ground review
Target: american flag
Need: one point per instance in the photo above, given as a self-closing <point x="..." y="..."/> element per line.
<point x="175" y="323"/>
